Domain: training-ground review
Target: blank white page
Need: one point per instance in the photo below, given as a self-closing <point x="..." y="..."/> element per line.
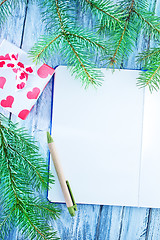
<point x="150" y="167"/>
<point x="98" y="134"/>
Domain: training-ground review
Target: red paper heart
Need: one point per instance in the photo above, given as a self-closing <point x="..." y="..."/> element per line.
<point x="21" y="85"/>
<point x="2" y="63"/>
<point x="7" y="102"/>
<point x="6" y="57"/>
<point x="2" y="82"/>
<point x="15" y="70"/>
<point x="34" y="93"/>
<point x="44" y="71"/>
<point x="10" y="65"/>
<point x="22" y="76"/>
<point x="29" y="69"/>
<point x="23" y="114"/>
<point x="20" y="64"/>
<point x="15" y="56"/>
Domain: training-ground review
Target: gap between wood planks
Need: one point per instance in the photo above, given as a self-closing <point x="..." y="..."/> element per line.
<point x="98" y="223"/>
<point x="148" y="223"/>
<point x="121" y="223"/>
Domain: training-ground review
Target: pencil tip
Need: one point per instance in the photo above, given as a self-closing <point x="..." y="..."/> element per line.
<point x="49" y="138"/>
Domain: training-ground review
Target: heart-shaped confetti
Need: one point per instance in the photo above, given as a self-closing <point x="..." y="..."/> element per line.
<point x="20" y="64"/>
<point x="22" y="75"/>
<point x="2" y="82"/>
<point x="2" y="63"/>
<point x="33" y="94"/>
<point x="7" y="102"/>
<point x="15" y="57"/>
<point x="29" y="69"/>
<point x="10" y="65"/>
<point x="6" y="57"/>
<point x="44" y="71"/>
<point x="21" y="85"/>
<point x="23" y="114"/>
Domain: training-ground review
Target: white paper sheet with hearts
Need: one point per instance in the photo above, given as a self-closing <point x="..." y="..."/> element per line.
<point x="21" y="81"/>
<point x="107" y="140"/>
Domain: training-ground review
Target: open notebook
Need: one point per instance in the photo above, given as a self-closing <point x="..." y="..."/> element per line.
<point x="108" y="140"/>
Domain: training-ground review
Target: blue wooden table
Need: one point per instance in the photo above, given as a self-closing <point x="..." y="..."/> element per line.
<point x="91" y="221"/>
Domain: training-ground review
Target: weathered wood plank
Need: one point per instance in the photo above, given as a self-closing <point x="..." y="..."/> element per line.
<point x="12" y="31"/>
<point x="82" y="227"/>
<point x="134" y="223"/>
<point x="109" y="223"/>
<point x="153" y="230"/>
<point x="153" y="227"/>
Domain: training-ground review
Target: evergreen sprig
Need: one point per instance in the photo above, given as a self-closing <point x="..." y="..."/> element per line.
<point x="7" y="8"/>
<point x="151" y="64"/>
<point x="149" y="23"/>
<point x="23" y="174"/>
<point x="75" y="44"/>
<point x="107" y="13"/>
<point x="117" y="27"/>
<point x="121" y="24"/>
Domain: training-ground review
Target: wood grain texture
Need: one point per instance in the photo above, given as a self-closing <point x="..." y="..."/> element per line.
<point x="13" y="32"/>
<point x="110" y="222"/>
<point x="153" y="227"/>
<point x="92" y="222"/>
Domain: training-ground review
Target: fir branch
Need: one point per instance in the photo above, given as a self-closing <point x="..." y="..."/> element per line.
<point x="42" y="207"/>
<point x="113" y="58"/>
<point x="32" y="224"/>
<point x="70" y="39"/>
<point x="60" y="18"/>
<point x="31" y="165"/>
<point x="153" y="22"/>
<point x="147" y="57"/>
<point x="119" y="25"/>
<point x="34" y="227"/>
<point x="45" y="45"/>
<point x="11" y="178"/>
<point x="151" y="64"/>
<point x="153" y="75"/>
<point x="84" y="38"/>
<point x="28" y="160"/>
<point x="2" y="2"/>
<point x="71" y="46"/>
<point x="107" y="13"/>
<point x="26" y="143"/>
<point x="150" y="78"/>
<point x="6" y="223"/>
<point x="101" y="9"/>
<point x="11" y="210"/>
<point x="81" y="63"/>
<point x="18" y="188"/>
<point x="53" y="40"/>
<point x="7" y="7"/>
